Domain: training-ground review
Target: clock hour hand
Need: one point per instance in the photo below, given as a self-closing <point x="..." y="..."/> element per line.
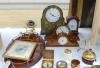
<point x="52" y="15"/>
<point x="62" y="30"/>
<point x="47" y="65"/>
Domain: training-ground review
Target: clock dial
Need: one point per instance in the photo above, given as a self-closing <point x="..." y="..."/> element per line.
<point x="53" y="15"/>
<point x="72" y="24"/>
<point x="62" y="40"/>
<point x="62" y="29"/>
<point x="47" y="64"/>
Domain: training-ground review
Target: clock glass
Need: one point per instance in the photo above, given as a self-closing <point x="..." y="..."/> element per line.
<point x="72" y="24"/>
<point x="53" y="15"/>
<point x="62" y="40"/>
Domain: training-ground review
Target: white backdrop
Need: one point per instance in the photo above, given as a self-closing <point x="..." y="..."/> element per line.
<point x="35" y="1"/>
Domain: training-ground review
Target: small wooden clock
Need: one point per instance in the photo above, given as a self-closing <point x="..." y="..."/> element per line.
<point x="52" y="17"/>
<point x="62" y="39"/>
<point x="62" y="32"/>
<point x="72" y="23"/>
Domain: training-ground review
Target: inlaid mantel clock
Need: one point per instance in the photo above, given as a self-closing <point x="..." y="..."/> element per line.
<point x="62" y="38"/>
<point x="51" y="18"/>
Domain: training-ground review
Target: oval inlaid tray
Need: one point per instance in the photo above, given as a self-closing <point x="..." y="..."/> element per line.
<point x="36" y="56"/>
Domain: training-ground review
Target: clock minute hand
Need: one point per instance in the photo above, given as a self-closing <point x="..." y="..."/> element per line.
<point x="47" y="65"/>
<point x="62" y="30"/>
<point x="52" y="15"/>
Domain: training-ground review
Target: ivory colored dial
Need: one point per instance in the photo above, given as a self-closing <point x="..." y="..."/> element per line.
<point x="53" y="15"/>
<point x="62" y="40"/>
<point x="72" y="24"/>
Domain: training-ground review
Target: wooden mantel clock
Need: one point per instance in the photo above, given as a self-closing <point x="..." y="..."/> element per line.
<point x="51" y="18"/>
<point x="73" y="23"/>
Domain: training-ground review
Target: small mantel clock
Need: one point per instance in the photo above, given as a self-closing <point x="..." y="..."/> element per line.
<point x="51" y="18"/>
<point x="72" y="23"/>
<point x="62" y="32"/>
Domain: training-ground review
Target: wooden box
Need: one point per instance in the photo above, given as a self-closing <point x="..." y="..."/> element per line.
<point x="48" y="59"/>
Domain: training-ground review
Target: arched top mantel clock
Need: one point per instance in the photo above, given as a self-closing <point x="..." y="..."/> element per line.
<point x="51" y="18"/>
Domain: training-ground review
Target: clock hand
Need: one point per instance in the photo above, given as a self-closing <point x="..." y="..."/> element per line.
<point x="52" y="15"/>
<point x="62" y="30"/>
<point x="47" y="65"/>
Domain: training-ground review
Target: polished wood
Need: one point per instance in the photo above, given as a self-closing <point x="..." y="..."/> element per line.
<point x="77" y="20"/>
<point x="55" y="43"/>
<point x="75" y="63"/>
<point x="50" y="37"/>
<point x="48" y="54"/>
<point x="73" y="8"/>
<point x="36" y="56"/>
<point x="73" y="37"/>
<point x="87" y="13"/>
<point x="79" y="8"/>
<point x="52" y="41"/>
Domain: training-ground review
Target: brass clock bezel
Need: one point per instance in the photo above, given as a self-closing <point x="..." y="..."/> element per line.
<point x="49" y="7"/>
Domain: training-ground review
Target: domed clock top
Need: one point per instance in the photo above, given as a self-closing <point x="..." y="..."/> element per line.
<point x="52" y="14"/>
<point x="51" y="18"/>
<point x="72" y="24"/>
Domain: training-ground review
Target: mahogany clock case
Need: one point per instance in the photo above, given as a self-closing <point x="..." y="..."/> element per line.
<point x="68" y="19"/>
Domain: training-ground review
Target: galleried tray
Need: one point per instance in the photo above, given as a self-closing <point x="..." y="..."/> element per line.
<point x="36" y="56"/>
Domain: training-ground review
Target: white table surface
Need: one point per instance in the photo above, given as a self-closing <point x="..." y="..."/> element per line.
<point x="8" y="34"/>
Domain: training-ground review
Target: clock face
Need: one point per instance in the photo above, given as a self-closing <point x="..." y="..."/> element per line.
<point x="53" y="15"/>
<point x="47" y="64"/>
<point x="62" y="40"/>
<point x="62" y="29"/>
<point x="72" y="24"/>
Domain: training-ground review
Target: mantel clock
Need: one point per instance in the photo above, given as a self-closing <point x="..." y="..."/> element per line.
<point x="72" y="23"/>
<point x="51" y="18"/>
